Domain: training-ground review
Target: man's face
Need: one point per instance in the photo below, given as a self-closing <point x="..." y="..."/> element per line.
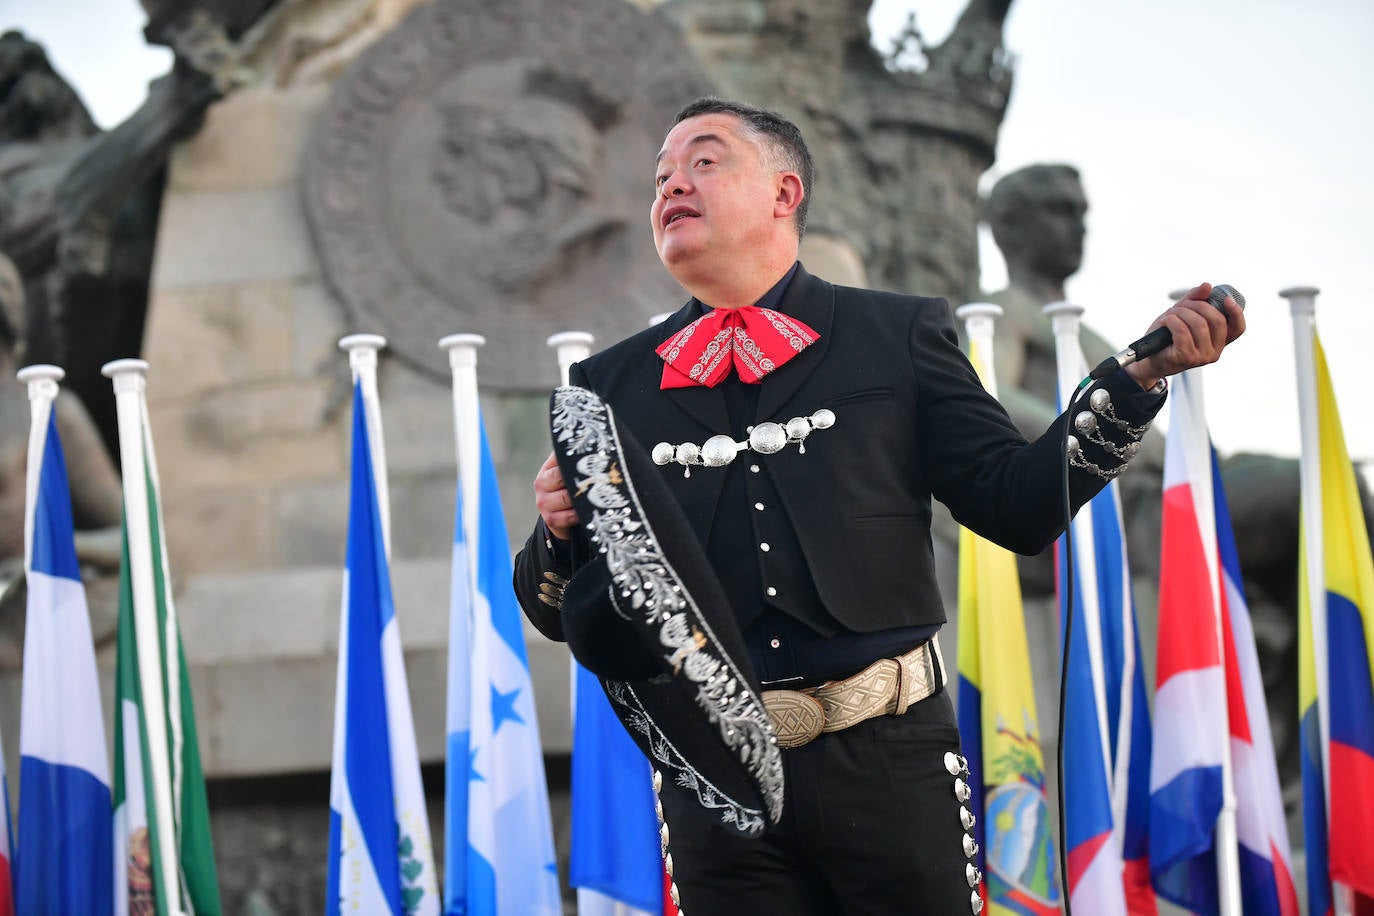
<point x="715" y="192"/>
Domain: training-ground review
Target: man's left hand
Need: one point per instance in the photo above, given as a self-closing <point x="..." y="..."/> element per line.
<point x="1200" y="332"/>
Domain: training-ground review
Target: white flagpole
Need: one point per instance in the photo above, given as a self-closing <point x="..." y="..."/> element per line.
<point x="42" y="384"/>
<point x="129" y="377"/>
<point x="362" y="360"/>
<point x="462" y="361"/>
<point x="1302" y="305"/>
<point x="1066" y="319"/>
<point x="571" y="346"/>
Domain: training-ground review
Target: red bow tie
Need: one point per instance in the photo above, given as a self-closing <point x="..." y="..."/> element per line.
<point x="754" y="340"/>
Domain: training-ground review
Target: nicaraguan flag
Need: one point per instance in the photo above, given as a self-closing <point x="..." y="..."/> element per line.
<point x="510" y="869"/>
<point x="616" y="863"/>
<point x="64" y="860"/>
<point x="1339" y="848"/>
<point x="1190" y="740"/>
<point x="1001" y="732"/>
<point x="1266" y="861"/>
<point x="1107" y="720"/>
<point x="380" y="861"/>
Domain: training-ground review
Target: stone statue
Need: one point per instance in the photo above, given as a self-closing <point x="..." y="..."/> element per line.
<point x="79" y="210"/>
<point x="1037" y="219"/>
<point x="97" y="500"/>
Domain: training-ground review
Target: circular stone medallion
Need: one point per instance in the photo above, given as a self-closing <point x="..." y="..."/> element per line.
<point x="488" y="167"/>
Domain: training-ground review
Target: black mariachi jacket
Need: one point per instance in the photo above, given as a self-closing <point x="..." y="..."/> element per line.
<point x="912" y="422"/>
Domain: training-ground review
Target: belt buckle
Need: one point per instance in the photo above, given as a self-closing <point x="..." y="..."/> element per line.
<point x="798" y="718"/>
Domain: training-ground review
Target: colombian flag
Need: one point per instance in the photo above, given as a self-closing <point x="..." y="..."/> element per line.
<point x="1001" y="733"/>
<point x="1339" y="850"/>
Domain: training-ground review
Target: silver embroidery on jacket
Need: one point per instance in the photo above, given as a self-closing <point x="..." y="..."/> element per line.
<point x="645" y="583"/>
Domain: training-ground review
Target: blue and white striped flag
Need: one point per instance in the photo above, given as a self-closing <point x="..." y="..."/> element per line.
<point x="510" y="868"/>
<point x="380" y="860"/>
<point x="64" y="860"/>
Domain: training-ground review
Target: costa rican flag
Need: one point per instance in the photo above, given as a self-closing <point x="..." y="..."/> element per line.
<point x="1210" y="710"/>
<point x="1266" y="861"/>
<point x="1191" y="727"/>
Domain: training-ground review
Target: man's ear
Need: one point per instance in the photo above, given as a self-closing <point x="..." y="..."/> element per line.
<point x="790" y="195"/>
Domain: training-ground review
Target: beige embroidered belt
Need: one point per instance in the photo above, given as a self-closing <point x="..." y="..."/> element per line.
<point x="885" y="688"/>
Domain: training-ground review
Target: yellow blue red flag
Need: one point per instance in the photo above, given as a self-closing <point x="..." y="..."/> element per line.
<point x="1001" y="732"/>
<point x="1338" y="848"/>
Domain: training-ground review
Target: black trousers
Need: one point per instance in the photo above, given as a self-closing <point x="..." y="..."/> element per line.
<point x="871" y="827"/>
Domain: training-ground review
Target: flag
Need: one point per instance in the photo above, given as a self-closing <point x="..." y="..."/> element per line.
<point x="1210" y="709"/>
<point x="161" y="816"/>
<point x="616" y="862"/>
<point x="458" y="728"/>
<point x="1266" y="859"/>
<point x="1107" y="719"/>
<point x="380" y="861"/>
<point x="6" y="842"/>
<point x="1001" y="733"/>
<point x="510" y="868"/>
<point x="1190" y="741"/>
<point x="63" y="863"/>
<point x="1338" y="848"/>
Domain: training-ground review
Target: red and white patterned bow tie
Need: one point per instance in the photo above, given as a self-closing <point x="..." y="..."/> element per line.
<point x="754" y="340"/>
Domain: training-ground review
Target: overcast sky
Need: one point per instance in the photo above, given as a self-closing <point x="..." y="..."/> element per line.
<point x="1226" y="141"/>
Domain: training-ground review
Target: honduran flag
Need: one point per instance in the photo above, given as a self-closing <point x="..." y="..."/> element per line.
<point x="1340" y="848"/>
<point x="510" y="869"/>
<point x="379" y="850"/>
<point x="1190" y="738"/>
<point x="64" y="860"/>
<point x="1000" y="730"/>
<point x="1266" y="860"/>
<point x="1107" y="719"/>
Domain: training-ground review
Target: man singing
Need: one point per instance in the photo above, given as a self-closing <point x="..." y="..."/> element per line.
<point x="823" y="551"/>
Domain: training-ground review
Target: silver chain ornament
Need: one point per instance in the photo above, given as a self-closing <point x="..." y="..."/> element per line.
<point x="766" y="438"/>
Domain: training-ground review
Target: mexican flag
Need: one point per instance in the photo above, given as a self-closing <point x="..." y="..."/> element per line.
<point x="165" y="863"/>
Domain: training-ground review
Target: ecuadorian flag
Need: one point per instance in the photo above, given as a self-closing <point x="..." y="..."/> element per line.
<point x="1001" y="732"/>
<point x="1339" y="850"/>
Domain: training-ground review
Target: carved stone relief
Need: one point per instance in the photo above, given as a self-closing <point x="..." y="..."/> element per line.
<point x="487" y="167"/>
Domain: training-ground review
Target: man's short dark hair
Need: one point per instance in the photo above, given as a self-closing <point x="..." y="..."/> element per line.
<point x="783" y="139"/>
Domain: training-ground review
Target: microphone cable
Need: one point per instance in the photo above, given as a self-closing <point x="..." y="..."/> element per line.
<point x="1066" y="640"/>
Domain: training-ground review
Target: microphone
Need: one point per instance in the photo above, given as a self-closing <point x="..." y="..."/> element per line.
<point x="1159" y="338"/>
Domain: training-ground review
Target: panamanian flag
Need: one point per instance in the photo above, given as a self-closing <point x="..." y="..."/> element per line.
<point x="64" y="860"/>
<point x="380" y="861"/>
<point x="509" y="867"/>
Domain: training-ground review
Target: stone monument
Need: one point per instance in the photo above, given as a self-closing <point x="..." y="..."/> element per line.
<point x="459" y="165"/>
